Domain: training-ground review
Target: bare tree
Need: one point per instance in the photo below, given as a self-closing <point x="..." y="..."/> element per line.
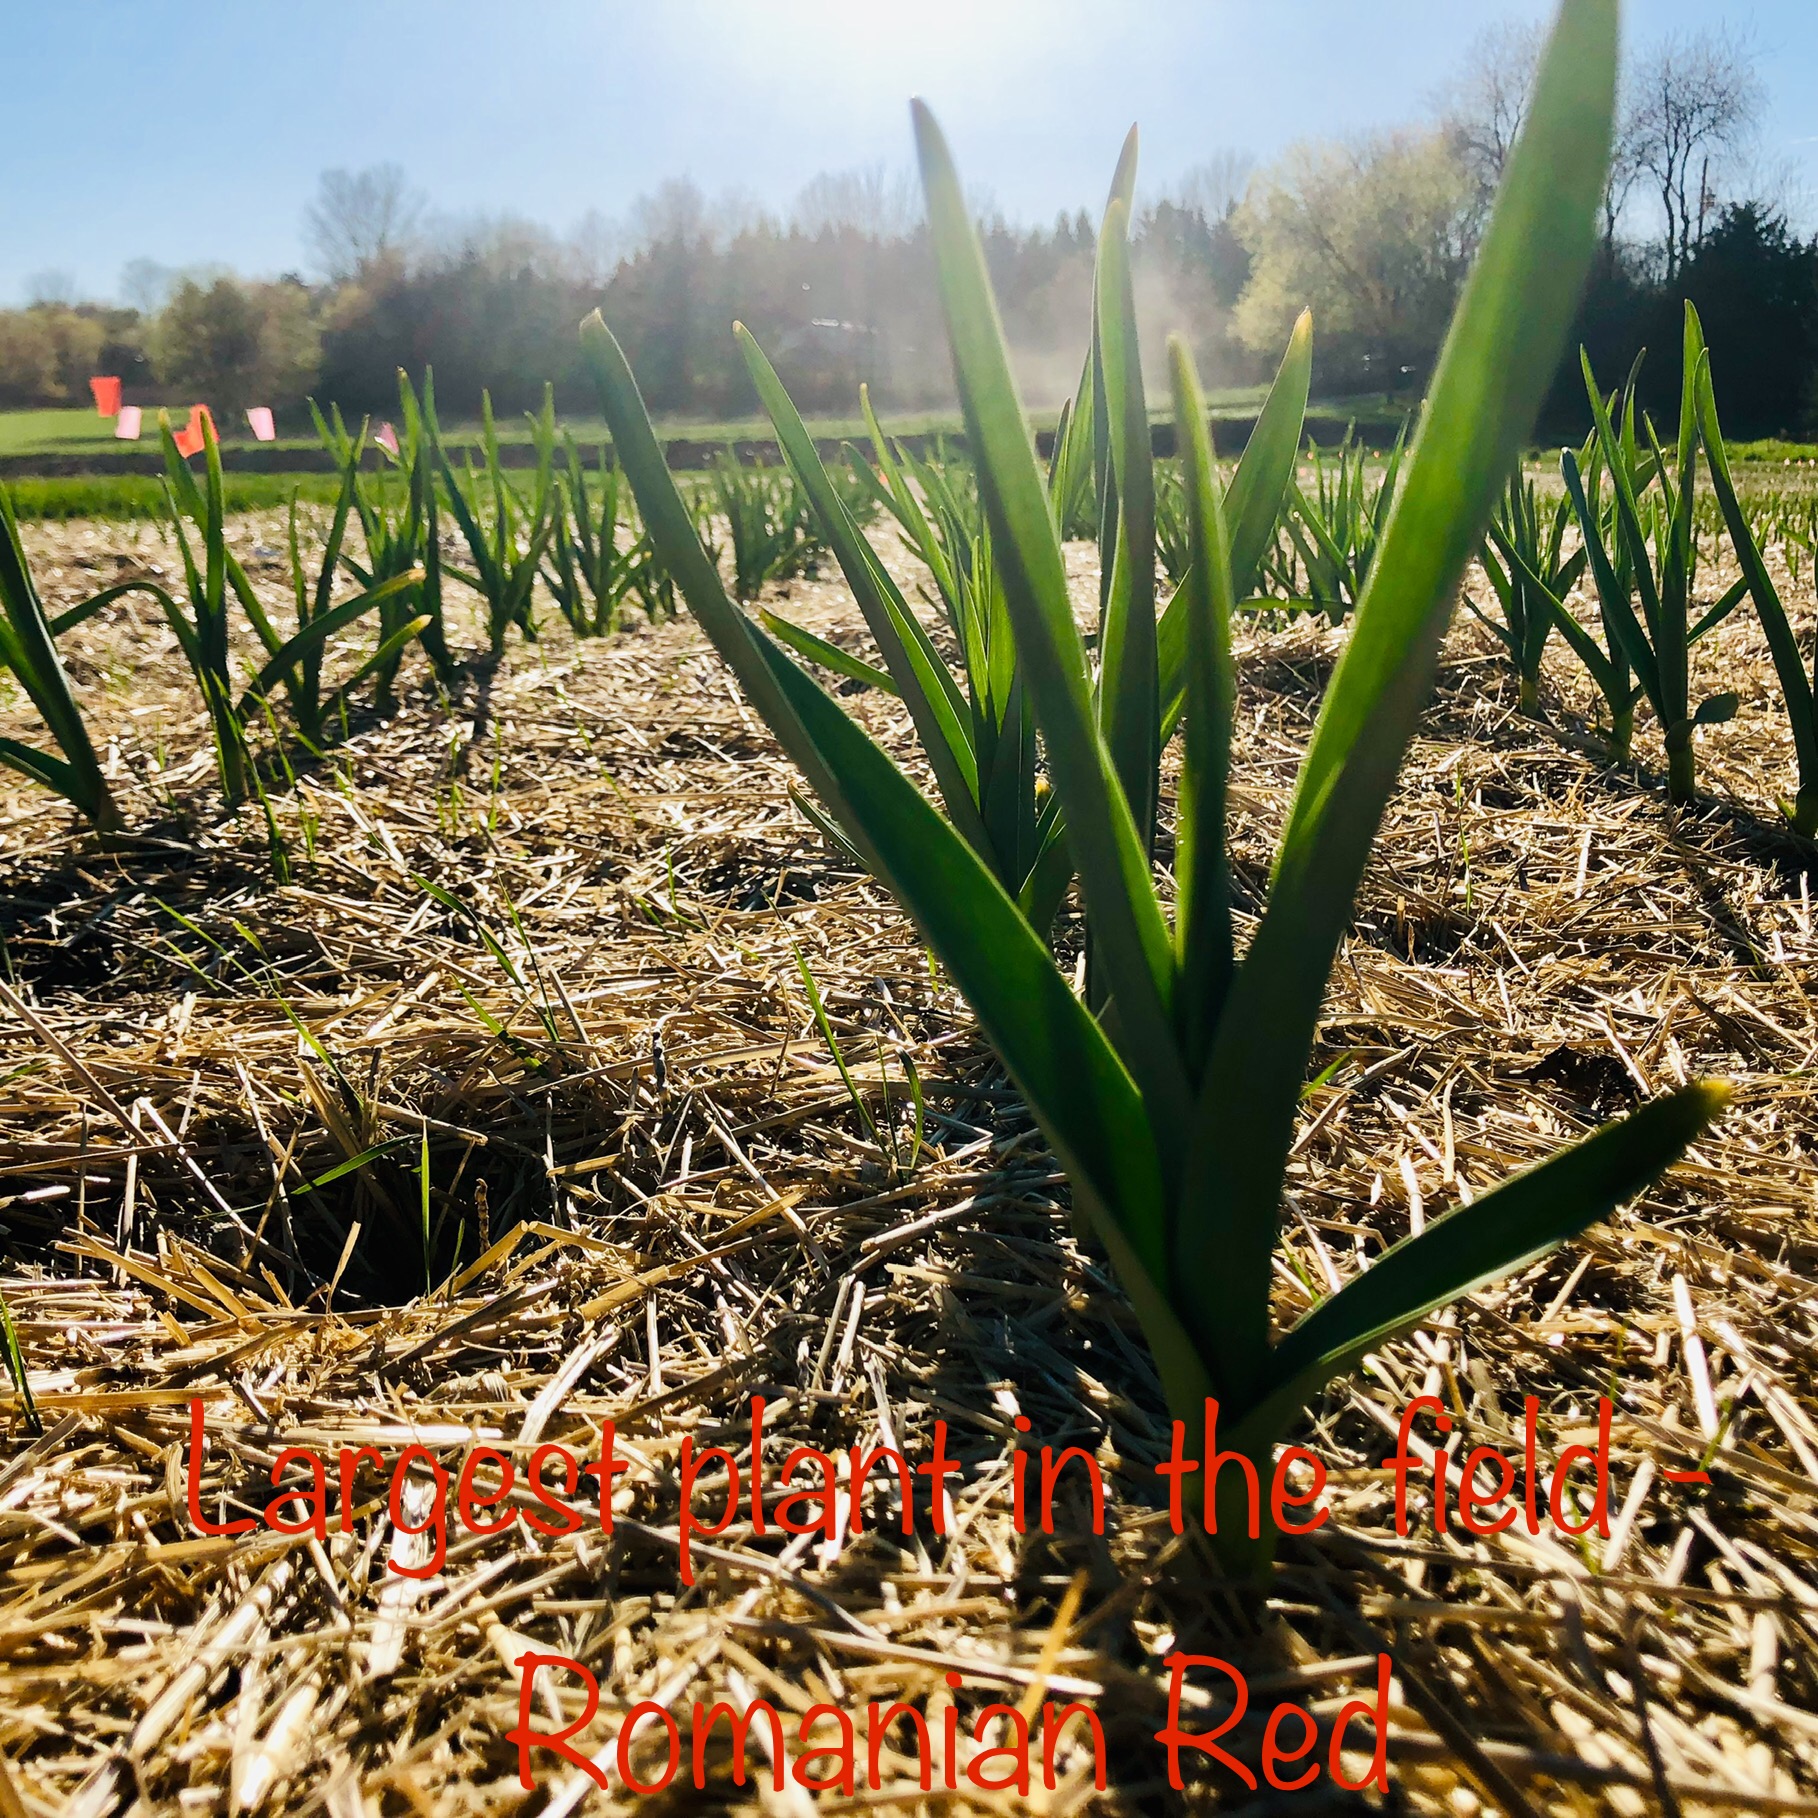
<point x="873" y="200"/>
<point x="734" y="211"/>
<point x="986" y="210"/>
<point x="1485" y="106"/>
<point x="1696" y="102"/>
<point x="596" y="244"/>
<point x="674" y="213"/>
<point x="360" y="217"/>
<point x="1214" y="186"/>
<point x="1488" y="103"/>
<point x="1625" y="162"/>
<point x="1779" y="184"/>
<point x="504" y="244"/>
<point x="49" y="287"/>
<point x="145" y="285"/>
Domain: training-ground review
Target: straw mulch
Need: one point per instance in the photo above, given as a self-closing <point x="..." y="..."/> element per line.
<point x="607" y="1048"/>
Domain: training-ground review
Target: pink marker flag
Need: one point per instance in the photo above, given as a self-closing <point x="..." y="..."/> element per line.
<point x="107" y="396"/>
<point x="127" y="424"/>
<point x="386" y="437"/>
<point x="259" y="418"/>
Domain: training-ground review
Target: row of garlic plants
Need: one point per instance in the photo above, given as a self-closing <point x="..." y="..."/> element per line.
<point x="570" y="527"/>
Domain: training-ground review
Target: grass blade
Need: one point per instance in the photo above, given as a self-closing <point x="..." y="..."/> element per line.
<point x="672" y="534"/>
<point x="922" y="679"/>
<point x="1624" y="629"/>
<point x="317" y="631"/>
<point x="826" y="655"/>
<point x="1252" y="507"/>
<point x="1128" y="708"/>
<point x="1504" y="1230"/>
<point x="1500" y="354"/>
<point x="1789" y="665"/>
<point x="866" y="1122"/>
<point x="1203" y="913"/>
<point x="1267" y="464"/>
<point x="41" y="767"/>
<point x="29" y="647"/>
<point x="15" y="1368"/>
<point x="1131" y="937"/>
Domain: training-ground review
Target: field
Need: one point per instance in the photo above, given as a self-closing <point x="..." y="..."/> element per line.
<point x="609" y="1047"/>
<point x="25" y="432"/>
<point x="28" y="436"/>
<point x="45" y="432"/>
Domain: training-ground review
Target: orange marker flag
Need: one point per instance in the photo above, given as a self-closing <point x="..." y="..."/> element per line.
<point x="127" y="424"/>
<point x="259" y="420"/>
<point x="107" y="396"/>
<point x="189" y="437"/>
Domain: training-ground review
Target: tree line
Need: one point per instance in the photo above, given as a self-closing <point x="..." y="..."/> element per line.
<point x="1374" y="233"/>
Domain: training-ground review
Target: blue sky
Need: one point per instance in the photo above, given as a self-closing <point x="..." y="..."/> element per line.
<point x="189" y="131"/>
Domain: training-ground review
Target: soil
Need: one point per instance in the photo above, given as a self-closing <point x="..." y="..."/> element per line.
<point x="542" y="946"/>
